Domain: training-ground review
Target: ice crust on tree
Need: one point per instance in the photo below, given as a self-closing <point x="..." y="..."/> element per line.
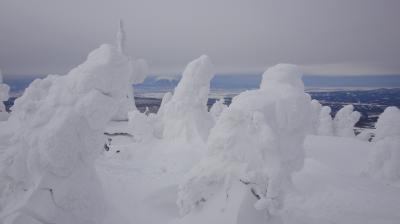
<point x="4" y="90"/>
<point x="256" y="143"/>
<point x="47" y="171"/>
<point x="344" y="121"/>
<point x="384" y="160"/>
<point x="185" y="114"/>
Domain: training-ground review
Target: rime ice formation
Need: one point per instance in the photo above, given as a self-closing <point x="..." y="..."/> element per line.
<point x="325" y="126"/>
<point x="256" y="144"/>
<point x="217" y="108"/>
<point x="185" y="114"/>
<point x="385" y="157"/>
<point x="166" y="98"/>
<point x="158" y="123"/>
<point x="344" y="121"/>
<point x="138" y="70"/>
<point x="4" y="89"/>
<point x="121" y="37"/>
<point x="47" y="174"/>
<point x="316" y="106"/>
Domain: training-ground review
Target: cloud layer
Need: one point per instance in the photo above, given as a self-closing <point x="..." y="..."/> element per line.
<point x="341" y="36"/>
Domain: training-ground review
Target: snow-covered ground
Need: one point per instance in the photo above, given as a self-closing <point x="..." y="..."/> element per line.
<point x="141" y="181"/>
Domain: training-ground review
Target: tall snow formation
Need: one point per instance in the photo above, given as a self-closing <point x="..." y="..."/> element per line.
<point x="315" y="115"/>
<point x="325" y="126"/>
<point x="385" y="157"/>
<point x="158" y="123"/>
<point x="185" y="114"/>
<point x="344" y="121"/>
<point x="121" y="37"/>
<point x="257" y="143"/>
<point x="4" y="89"/>
<point x="138" y="74"/>
<point x="47" y="172"/>
<point x="217" y="108"/>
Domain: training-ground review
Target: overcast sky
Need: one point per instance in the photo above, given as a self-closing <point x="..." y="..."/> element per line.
<point x="324" y="36"/>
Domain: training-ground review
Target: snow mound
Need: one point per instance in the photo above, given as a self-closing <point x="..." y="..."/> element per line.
<point x="47" y="171"/>
<point x="256" y="144"/>
<point x="185" y="115"/>
<point x="385" y="156"/>
<point x="4" y="90"/>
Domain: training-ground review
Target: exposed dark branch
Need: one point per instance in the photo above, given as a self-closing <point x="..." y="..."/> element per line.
<point x="118" y="134"/>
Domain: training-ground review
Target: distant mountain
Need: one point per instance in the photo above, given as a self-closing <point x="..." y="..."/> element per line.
<point x="18" y="83"/>
<point x="333" y="91"/>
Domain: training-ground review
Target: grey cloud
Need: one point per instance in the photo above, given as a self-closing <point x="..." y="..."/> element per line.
<point x="342" y="36"/>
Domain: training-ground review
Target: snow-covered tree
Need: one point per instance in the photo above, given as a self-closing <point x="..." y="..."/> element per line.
<point x="344" y="121"/>
<point x="4" y="89"/>
<point x="315" y="114"/>
<point x="385" y="157"/>
<point x="185" y="114"/>
<point x="325" y="126"/>
<point x="138" y="74"/>
<point x="47" y="172"/>
<point x="256" y="144"/>
<point x="121" y="37"/>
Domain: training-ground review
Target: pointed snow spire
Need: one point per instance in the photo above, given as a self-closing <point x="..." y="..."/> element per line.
<point x="121" y="37"/>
